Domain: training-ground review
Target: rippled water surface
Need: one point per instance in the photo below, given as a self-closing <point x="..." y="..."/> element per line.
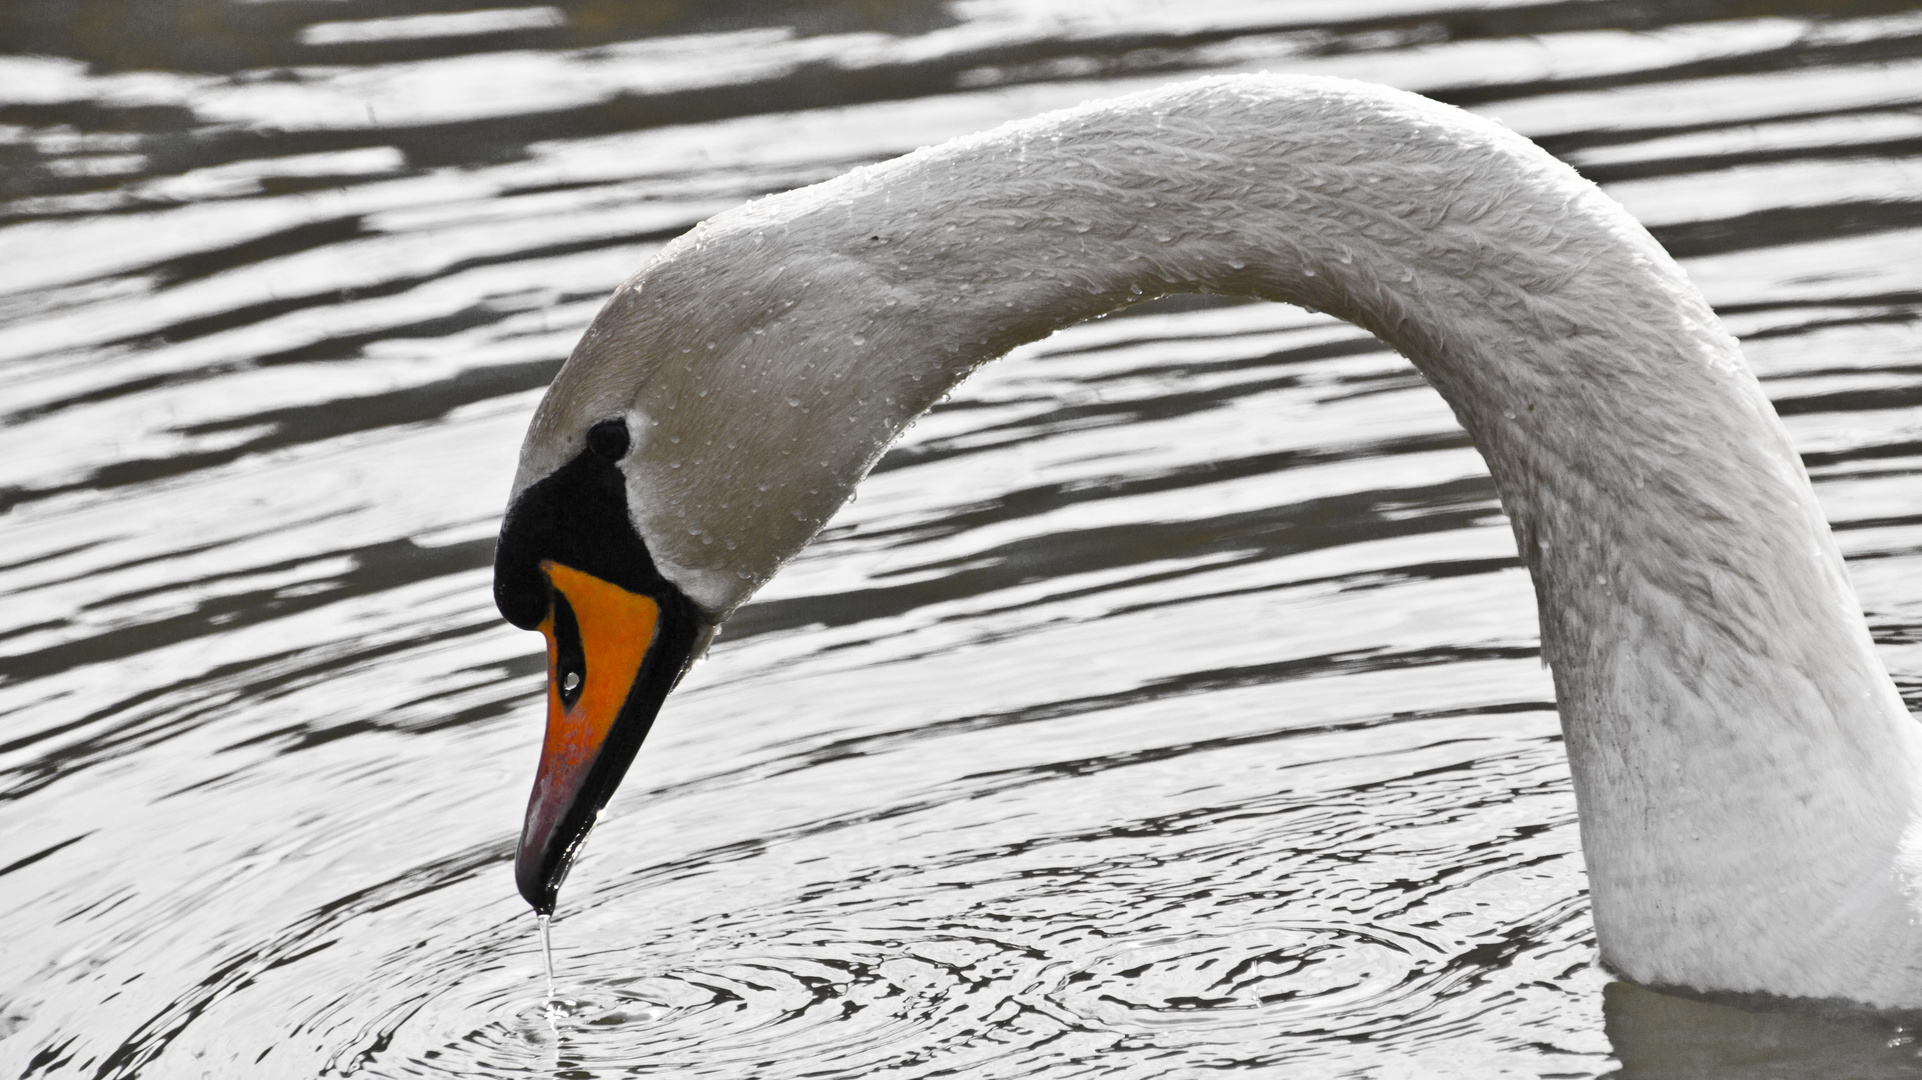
<point x="1169" y="702"/>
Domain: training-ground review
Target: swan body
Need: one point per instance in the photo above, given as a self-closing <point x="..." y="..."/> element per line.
<point x="1745" y="771"/>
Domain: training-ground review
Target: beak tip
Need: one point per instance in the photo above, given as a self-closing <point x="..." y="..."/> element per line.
<point x="537" y="877"/>
<point x="541" y="901"/>
<point x="527" y="880"/>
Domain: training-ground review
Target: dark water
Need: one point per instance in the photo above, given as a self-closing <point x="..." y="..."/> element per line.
<point x="1168" y="703"/>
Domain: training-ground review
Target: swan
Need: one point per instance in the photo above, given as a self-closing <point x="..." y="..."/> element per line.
<point x="1744" y="769"/>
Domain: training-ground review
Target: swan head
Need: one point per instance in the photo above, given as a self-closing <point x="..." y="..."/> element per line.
<point x="712" y="418"/>
<point x="570" y="564"/>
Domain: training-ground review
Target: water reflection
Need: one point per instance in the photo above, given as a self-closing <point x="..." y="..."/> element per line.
<point x="1169" y="701"/>
<point x="1663" y="1037"/>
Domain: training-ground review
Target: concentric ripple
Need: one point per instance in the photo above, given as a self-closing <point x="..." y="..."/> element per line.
<point x="845" y="1004"/>
<point x="1303" y="979"/>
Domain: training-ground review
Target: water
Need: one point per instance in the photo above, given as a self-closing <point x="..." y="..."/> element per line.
<point x="545" y="923"/>
<point x="1168" y="703"/>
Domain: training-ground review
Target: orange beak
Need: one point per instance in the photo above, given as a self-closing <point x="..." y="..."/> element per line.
<point x="607" y="670"/>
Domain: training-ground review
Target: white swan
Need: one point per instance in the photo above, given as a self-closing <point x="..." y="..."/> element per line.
<point x="1745" y="771"/>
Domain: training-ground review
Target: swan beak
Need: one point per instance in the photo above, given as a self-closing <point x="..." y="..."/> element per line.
<point x="608" y="669"/>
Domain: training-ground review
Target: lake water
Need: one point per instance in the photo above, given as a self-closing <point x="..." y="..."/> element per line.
<point x="1169" y="702"/>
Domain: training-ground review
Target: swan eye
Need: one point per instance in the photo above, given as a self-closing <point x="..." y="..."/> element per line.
<point x="608" y="439"/>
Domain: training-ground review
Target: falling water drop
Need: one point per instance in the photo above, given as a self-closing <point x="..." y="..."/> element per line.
<point x="547" y="952"/>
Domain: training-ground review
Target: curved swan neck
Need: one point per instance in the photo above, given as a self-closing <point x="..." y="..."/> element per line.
<point x="1745" y="770"/>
